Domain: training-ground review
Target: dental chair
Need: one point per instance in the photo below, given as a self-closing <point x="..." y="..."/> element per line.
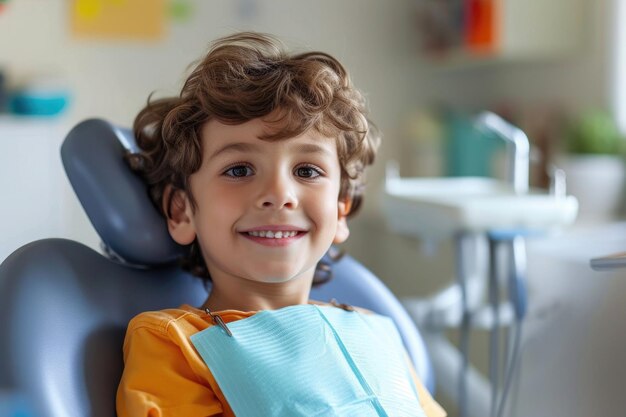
<point x="65" y="307"/>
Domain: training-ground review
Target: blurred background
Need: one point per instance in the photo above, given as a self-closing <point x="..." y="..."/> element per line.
<point x="556" y="69"/>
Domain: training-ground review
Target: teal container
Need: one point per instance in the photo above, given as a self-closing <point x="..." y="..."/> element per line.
<point x="29" y="103"/>
<point x="468" y="151"/>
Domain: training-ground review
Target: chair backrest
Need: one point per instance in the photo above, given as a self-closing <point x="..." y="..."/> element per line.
<point x="65" y="307"/>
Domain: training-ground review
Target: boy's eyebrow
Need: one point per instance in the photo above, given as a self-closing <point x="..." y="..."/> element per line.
<point x="313" y="148"/>
<point x="235" y="147"/>
<point x="250" y="147"/>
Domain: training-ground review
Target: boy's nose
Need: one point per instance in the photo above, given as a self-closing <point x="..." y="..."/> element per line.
<point x="279" y="192"/>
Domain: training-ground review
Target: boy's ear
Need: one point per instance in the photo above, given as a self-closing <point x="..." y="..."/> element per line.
<point x="342" y="233"/>
<point x="180" y="218"/>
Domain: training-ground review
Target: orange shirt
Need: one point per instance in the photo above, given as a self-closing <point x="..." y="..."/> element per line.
<point x="164" y="376"/>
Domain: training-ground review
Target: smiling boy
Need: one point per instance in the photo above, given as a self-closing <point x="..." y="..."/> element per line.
<point x="256" y="167"/>
<point x="276" y="213"/>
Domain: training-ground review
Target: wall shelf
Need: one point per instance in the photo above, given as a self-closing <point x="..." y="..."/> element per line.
<point x="469" y="33"/>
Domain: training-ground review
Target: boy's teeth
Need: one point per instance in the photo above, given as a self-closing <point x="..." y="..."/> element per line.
<point x="269" y="234"/>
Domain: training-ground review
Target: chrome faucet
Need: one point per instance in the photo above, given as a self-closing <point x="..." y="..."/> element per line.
<point x="519" y="157"/>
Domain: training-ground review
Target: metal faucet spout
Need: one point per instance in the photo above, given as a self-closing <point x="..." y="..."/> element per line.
<point x="519" y="147"/>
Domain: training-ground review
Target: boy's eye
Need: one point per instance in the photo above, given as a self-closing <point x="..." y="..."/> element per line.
<point x="307" y="172"/>
<point x="239" y="171"/>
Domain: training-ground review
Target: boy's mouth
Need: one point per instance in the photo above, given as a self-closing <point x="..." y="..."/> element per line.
<point x="273" y="234"/>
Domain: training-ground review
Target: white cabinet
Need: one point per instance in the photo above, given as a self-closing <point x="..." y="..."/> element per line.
<point x="36" y="198"/>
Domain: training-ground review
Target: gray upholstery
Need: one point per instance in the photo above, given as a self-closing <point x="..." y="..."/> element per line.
<point x="115" y="200"/>
<point x="65" y="307"/>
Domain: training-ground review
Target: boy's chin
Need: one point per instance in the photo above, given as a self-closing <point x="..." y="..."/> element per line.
<point x="275" y="280"/>
<point x="278" y="278"/>
<point x="272" y="279"/>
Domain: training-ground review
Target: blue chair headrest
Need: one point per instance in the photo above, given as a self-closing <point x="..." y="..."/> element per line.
<point x="116" y="199"/>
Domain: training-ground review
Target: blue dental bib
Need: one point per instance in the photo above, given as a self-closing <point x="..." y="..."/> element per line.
<point x="309" y="360"/>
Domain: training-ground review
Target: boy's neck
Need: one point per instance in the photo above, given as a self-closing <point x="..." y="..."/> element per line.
<point x="255" y="300"/>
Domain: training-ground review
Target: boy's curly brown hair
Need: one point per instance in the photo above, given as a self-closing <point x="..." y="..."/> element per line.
<point x="246" y="76"/>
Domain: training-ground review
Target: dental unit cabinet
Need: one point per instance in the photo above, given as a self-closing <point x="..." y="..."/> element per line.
<point x="489" y="220"/>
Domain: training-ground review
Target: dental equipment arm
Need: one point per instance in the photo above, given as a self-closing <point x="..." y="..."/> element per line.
<point x="518" y="162"/>
<point x="609" y="263"/>
<point x="519" y="158"/>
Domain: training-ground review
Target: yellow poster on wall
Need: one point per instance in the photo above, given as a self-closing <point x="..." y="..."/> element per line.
<point x="118" y="19"/>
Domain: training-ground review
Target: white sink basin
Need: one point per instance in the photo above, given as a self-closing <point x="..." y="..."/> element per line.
<point x="443" y="207"/>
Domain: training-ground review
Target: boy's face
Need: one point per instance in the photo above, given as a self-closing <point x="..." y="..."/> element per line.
<point x="267" y="211"/>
